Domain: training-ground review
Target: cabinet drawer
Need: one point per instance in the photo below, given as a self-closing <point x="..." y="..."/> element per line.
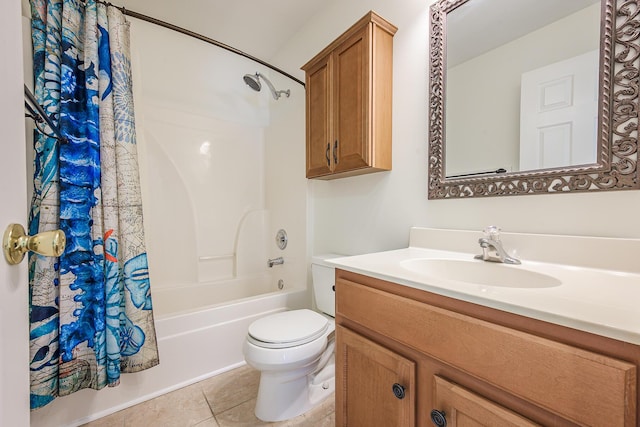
<point x="461" y="407"/>
<point x="576" y="384"/>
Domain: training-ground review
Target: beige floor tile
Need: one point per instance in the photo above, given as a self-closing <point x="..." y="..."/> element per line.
<point x="328" y="421"/>
<point x="320" y="412"/>
<point x="318" y="416"/>
<point x="181" y="408"/>
<point x="113" y="420"/>
<point x="209" y="422"/>
<point x="232" y="395"/>
<point x="241" y="416"/>
<point x="231" y="389"/>
<point x="302" y="421"/>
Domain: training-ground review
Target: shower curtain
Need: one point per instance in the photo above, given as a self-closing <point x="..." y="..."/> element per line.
<point x="90" y="310"/>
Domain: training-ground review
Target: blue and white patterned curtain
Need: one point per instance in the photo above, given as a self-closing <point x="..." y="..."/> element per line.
<point x="90" y="310"/>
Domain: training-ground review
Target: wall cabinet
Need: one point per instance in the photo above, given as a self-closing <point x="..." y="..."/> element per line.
<point x="348" y="102"/>
<point x="469" y="365"/>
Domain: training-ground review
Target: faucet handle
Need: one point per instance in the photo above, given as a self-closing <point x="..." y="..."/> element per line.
<point x="492" y="232"/>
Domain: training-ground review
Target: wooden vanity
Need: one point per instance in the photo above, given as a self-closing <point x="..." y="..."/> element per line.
<point x="406" y="355"/>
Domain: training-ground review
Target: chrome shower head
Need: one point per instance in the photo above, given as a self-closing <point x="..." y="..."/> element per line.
<point x="253" y="81"/>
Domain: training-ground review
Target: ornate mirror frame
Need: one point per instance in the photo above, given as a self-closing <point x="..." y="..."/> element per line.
<point x="616" y="168"/>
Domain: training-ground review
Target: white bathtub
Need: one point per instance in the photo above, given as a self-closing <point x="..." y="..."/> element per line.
<point x="194" y="344"/>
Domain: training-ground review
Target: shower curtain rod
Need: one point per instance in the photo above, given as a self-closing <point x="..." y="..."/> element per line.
<point x="37" y="113"/>
<point x="199" y="37"/>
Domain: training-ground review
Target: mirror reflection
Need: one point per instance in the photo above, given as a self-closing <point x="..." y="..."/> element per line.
<point x="563" y="164"/>
<point x="521" y="86"/>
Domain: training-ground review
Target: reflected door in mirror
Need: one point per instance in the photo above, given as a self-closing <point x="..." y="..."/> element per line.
<point x="559" y="114"/>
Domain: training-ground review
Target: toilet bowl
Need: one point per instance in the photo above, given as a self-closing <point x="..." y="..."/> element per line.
<point x="294" y="350"/>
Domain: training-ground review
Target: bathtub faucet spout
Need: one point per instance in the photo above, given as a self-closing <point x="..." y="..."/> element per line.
<point x="275" y="261"/>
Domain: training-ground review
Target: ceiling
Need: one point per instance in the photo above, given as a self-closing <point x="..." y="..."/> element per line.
<point x="257" y="27"/>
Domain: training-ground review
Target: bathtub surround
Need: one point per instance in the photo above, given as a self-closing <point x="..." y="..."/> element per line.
<point x="91" y="310"/>
<point x="214" y="158"/>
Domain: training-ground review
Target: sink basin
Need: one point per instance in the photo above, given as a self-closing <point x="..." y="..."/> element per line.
<point x="480" y="273"/>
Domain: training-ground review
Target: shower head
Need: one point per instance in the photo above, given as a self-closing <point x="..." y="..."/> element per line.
<point x="253" y="81"/>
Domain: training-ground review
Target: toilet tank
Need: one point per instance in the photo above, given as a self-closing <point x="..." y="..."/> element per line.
<point x="324" y="279"/>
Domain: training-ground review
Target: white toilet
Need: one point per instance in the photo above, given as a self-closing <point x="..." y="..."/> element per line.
<point x="294" y="350"/>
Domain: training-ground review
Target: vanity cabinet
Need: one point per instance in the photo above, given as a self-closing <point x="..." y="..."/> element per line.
<point x="462" y="407"/>
<point x="472" y="365"/>
<point x="348" y="102"/>
<point x="377" y="381"/>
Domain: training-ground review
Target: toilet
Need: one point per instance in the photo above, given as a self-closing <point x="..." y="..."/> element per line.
<point x="294" y="350"/>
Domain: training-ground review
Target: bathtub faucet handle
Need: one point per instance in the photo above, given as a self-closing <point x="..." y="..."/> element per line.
<point x="275" y="261"/>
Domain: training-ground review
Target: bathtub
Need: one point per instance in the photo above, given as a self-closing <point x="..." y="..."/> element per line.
<point x="195" y="342"/>
<point x="175" y="300"/>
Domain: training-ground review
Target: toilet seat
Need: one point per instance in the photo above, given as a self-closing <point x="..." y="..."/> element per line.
<point x="287" y="329"/>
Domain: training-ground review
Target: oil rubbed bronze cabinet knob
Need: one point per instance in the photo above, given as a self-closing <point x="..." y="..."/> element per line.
<point x="438" y="418"/>
<point x="16" y="243"/>
<point x="398" y="391"/>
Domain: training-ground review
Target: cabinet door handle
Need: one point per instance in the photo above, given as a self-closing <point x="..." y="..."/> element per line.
<point x="398" y="391"/>
<point x="438" y="418"/>
<point x="335" y="152"/>
<point x="326" y="154"/>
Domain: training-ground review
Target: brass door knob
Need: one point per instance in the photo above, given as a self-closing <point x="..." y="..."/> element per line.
<point x="16" y="243"/>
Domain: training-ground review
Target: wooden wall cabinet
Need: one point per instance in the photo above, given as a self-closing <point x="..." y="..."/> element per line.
<point x="348" y="102"/>
<point x="471" y="365"/>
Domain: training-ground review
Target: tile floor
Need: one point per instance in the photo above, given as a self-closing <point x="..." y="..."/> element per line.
<point x="226" y="400"/>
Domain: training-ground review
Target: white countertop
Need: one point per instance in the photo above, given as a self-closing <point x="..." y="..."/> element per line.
<point x="601" y="301"/>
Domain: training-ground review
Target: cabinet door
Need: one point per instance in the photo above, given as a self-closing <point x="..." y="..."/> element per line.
<point x="374" y="386"/>
<point x="462" y="408"/>
<point x="351" y="109"/>
<point x="319" y="138"/>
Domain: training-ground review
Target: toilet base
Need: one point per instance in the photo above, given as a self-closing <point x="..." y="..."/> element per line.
<point x="285" y="395"/>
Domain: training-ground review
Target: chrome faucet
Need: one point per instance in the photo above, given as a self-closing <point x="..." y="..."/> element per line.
<point x="275" y="261"/>
<point x="492" y="249"/>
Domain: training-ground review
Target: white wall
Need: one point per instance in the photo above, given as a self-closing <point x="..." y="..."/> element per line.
<point x="374" y="212"/>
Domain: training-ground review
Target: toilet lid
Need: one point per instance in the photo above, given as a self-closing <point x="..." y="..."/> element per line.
<point x="288" y="329"/>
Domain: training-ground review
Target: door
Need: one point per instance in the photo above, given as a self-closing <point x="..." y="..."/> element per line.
<point x="462" y="408"/>
<point x="351" y="103"/>
<point x="14" y="327"/>
<point x="558" y="114"/>
<point x="374" y="386"/>
<point x="319" y="154"/>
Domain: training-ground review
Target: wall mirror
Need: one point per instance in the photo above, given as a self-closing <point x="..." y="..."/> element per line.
<point x="533" y="96"/>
